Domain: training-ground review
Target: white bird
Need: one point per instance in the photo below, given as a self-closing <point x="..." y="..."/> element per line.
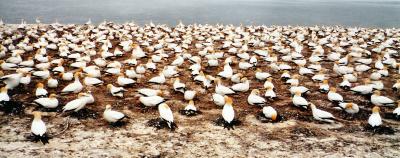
<point x="12" y="80"/>
<point x="379" y="100"/>
<point x="218" y="99"/>
<point x="160" y="79"/>
<point x="190" y="106"/>
<point x="228" y="114"/>
<point x="179" y="86"/>
<point x="270" y="113"/>
<point x="189" y="94"/>
<point x="76" y="104"/>
<point x="321" y="115"/>
<point x="261" y="75"/>
<point x="241" y="87"/>
<point x="147" y="92"/>
<point x="4" y="94"/>
<point x="112" y="116"/>
<point x="375" y="119"/>
<point x="255" y="99"/>
<point x="299" y="101"/>
<point x="40" y="91"/>
<point x="74" y="87"/>
<point x="227" y="72"/>
<point x="151" y="100"/>
<point x="350" y="108"/>
<point x="123" y="81"/>
<point x="116" y="91"/>
<point x="26" y="80"/>
<point x="221" y="89"/>
<point x="50" y="102"/>
<point x="166" y="115"/>
<point x="333" y="96"/>
<point x="52" y="83"/>
<point x="38" y="128"/>
<point x="68" y="76"/>
<point x="236" y="78"/>
<point x="363" y="89"/>
<point x="89" y="80"/>
<point x="324" y="86"/>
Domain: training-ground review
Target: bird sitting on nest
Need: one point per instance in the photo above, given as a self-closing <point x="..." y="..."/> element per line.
<point x="190" y="109"/>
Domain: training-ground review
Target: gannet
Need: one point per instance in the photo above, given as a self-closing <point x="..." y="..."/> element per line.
<point x="4" y="94"/>
<point x="241" y="87"/>
<point x="74" y="87"/>
<point x="350" y="108"/>
<point x="236" y="78"/>
<point x="295" y="87"/>
<point x="89" y="80"/>
<point x="190" y="109"/>
<point x="112" y="116"/>
<point x="76" y="104"/>
<point x="218" y="99"/>
<point x="299" y="101"/>
<point x="255" y="99"/>
<point x="179" y="86"/>
<point x="285" y="75"/>
<point x="123" y="81"/>
<point x="50" y="102"/>
<point x="379" y="100"/>
<point x="324" y="86"/>
<point x="321" y="115"/>
<point x="270" y="113"/>
<point x="40" y="91"/>
<point x="363" y="89"/>
<point x="333" y="96"/>
<point x="116" y="91"/>
<point x="227" y="72"/>
<point x="147" y="92"/>
<point x="189" y="94"/>
<point x="269" y="83"/>
<point x="68" y="76"/>
<point x="152" y="100"/>
<point x="375" y="119"/>
<point x="38" y="128"/>
<point x="269" y="93"/>
<point x="8" y="66"/>
<point x="228" y="114"/>
<point x="261" y="75"/>
<point x="166" y="115"/>
<point x="26" y="80"/>
<point x="160" y="79"/>
<point x="221" y="89"/>
<point x="244" y="65"/>
<point x="345" y="84"/>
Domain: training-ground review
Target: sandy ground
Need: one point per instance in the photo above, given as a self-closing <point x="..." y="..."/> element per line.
<point x="196" y="137"/>
<point x="298" y="135"/>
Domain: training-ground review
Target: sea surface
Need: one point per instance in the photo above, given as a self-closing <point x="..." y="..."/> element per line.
<point x="365" y="13"/>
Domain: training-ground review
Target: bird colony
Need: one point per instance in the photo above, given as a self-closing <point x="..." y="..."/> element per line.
<point x="326" y="74"/>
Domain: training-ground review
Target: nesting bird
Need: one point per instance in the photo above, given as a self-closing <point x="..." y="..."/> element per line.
<point x="112" y="116"/>
<point x="38" y="128"/>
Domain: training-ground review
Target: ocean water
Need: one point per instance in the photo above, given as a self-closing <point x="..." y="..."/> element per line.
<point x="365" y="13"/>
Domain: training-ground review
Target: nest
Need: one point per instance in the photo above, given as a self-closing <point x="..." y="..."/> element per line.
<point x="159" y="123"/>
<point x="35" y="138"/>
<point x="379" y="129"/>
<point x="221" y="122"/>
<point x="189" y="112"/>
<point x="84" y="114"/>
<point x="12" y="107"/>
